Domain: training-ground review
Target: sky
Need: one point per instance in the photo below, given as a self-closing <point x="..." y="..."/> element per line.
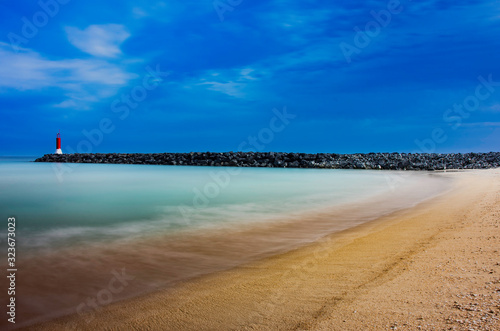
<point x="239" y="75"/>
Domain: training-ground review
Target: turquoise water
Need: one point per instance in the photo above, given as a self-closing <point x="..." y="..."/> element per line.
<point x="76" y="224"/>
<point x="60" y="204"/>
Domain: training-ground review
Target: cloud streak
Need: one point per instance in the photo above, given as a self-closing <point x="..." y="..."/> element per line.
<point x="98" y="40"/>
<point x="82" y="80"/>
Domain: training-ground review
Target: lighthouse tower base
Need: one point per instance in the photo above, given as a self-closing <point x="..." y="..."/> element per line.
<point x="58" y="151"/>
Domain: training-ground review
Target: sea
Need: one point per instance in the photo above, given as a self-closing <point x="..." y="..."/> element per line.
<point x="78" y="227"/>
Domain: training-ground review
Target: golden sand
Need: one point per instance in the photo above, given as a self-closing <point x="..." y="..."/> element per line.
<point x="433" y="266"/>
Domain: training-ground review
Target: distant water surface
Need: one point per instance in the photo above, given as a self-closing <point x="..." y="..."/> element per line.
<point x="71" y="203"/>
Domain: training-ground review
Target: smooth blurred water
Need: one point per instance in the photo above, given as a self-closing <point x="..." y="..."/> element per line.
<point x="58" y="204"/>
<point x="76" y="223"/>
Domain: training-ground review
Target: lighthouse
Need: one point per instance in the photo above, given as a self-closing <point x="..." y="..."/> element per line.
<point x="58" y="143"/>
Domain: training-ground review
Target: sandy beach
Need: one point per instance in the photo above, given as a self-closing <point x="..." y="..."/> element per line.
<point x="434" y="266"/>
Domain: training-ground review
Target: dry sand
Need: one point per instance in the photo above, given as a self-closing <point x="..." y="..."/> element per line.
<point x="433" y="267"/>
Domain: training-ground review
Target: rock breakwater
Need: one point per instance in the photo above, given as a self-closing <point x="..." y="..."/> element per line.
<point x="382" y="161"/>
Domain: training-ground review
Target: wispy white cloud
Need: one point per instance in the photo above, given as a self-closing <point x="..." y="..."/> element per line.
<point x="232" y="82"/>
<point x="230" y="88"/>
<point x="81" y="80"/>
<point x="99" y="40"/>
<point x="495" y="107"/>
<point x="247" y="74"/>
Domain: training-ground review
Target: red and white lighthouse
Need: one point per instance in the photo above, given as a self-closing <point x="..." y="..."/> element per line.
<point x="58" y="143"/>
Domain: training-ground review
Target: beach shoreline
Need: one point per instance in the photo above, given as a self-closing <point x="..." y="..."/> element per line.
<point x="321" y="285"/>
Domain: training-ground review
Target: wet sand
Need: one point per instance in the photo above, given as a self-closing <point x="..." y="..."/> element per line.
<point x="435" y="265"/>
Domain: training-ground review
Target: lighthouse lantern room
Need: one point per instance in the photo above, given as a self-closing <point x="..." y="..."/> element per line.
<point x="58" y="143"/>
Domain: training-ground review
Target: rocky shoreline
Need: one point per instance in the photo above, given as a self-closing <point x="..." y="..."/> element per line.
<point x="380" y="161"/>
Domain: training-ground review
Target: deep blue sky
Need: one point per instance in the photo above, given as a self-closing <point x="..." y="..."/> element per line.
<point x="70" y="65"/>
